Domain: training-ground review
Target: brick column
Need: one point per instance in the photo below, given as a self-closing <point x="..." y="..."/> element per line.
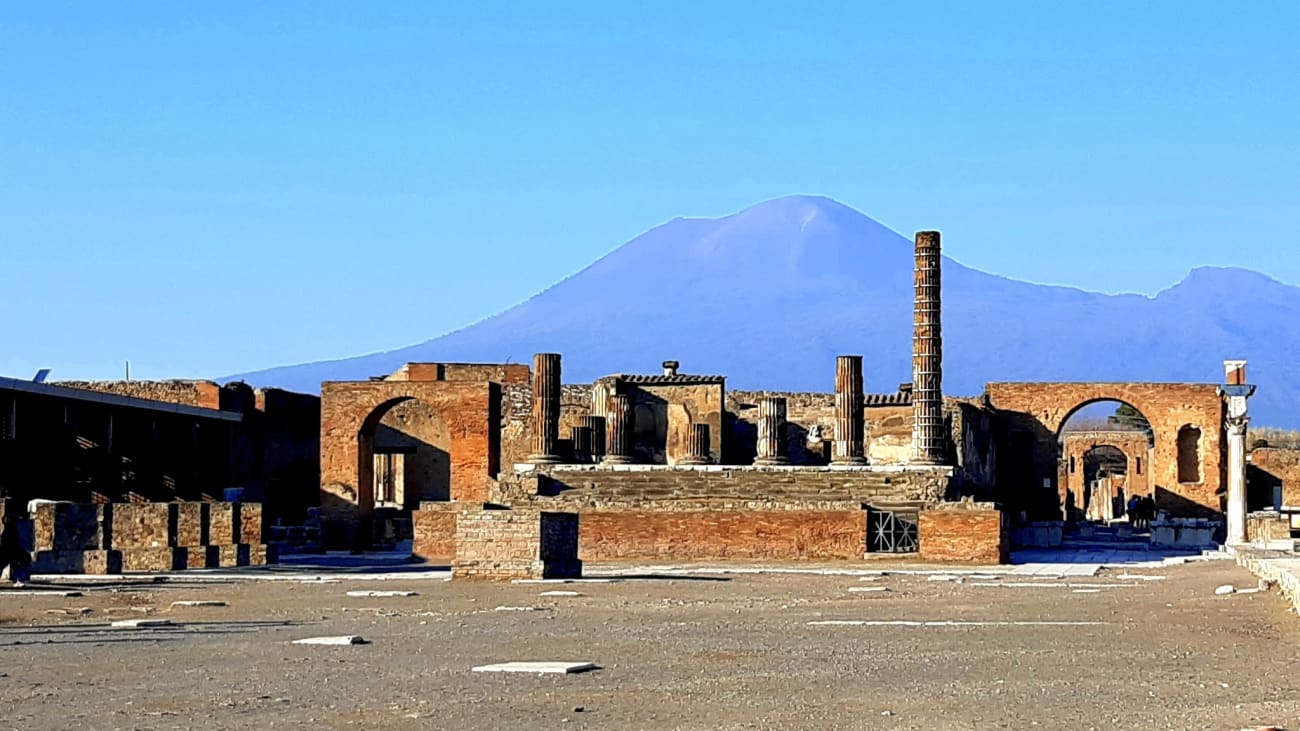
<point x="850" y="427"/>
<point x="618" y="429"/>
<point x="927" y="354"/>
<point x="771" y="431"/>
<point x="699" y="446"/>
<point x="546" y="408"/>
<point x="597" y="426"/>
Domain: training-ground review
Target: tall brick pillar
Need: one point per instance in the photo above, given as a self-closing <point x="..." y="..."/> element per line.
<point x="597" y="426"/>
<point x="546" y="409"/>
<point x="927" y="354"/>
<point x="618" y="429"/>
<point x="771" y="431"/>
<point x="850" y="428"/>
<point x="699" y="446"/>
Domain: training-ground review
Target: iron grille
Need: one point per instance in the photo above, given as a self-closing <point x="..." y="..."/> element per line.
<point x="890" y="532"/>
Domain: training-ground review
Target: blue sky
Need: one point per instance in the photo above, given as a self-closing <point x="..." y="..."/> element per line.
<point x="212" y="189"/>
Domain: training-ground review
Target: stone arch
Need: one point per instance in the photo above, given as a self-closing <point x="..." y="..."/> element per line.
<point x="352" y="411"/>
<point x="1040" y="410"/>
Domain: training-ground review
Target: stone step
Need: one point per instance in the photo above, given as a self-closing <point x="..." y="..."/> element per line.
<point x="1129" y="545"/>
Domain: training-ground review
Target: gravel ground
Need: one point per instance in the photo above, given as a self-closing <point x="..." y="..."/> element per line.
<point x="692" y="653"/>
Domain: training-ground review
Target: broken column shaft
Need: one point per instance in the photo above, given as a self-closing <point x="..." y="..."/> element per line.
<point x="546" y="409"/>
<point x="618" y="429"/>
<point x="850" y="427"/>
<point x="771" y="431"/>
<point x="597" y="426"/>
<point x="698" y="449"/>
<point x="580" y="436"/>
<point x="927" y="354"/>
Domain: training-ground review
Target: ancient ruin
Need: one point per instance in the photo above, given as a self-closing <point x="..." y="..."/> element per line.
<point x="504" y="470"/>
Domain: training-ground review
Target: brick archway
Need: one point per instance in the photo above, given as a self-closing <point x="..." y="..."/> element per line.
<point x="1033" y="414"/>
<point x="1077" y="445"/>
<point x="350" y="410"/>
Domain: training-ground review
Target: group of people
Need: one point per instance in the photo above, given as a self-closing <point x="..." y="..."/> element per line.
<point x="1141" y="510"/>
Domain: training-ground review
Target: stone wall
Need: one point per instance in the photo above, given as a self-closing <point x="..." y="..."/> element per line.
<point x="888" y="426"/>
<point x="966" y="533"/>
<point x="1031" y="415"/>
<point x="662" y="488"/>
<point x="503" y="544"/>
<point x="203" y="394"/>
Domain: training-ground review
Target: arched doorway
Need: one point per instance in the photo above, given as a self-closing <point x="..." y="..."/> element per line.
<point x="1106" y="450"/>
<point x="403" y="458"/>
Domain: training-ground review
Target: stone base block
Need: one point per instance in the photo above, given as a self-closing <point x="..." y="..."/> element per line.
<point x="228" y="556"/>
<point x="77" y="562"/>
<point x="155" y="559"/>
<point x="506" y="570"/>
<point x="964" y="533"/>
<point x="195" y="557"/>
<point x="261" y="554"/>
<point x="499" y="544"/>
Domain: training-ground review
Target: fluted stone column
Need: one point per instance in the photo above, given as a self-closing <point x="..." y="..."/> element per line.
<point x="927" y="353"/>
<point x="771" y="431"/>
<point x="597" y="426"/>
<point x="580" y="436"/>
<point x="850" y="427"/>
<point x="546" y="409"/>
<point x="619" y="422"/>
<point x="698" y="452"/>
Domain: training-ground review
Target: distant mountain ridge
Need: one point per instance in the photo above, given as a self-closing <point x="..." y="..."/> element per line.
<point x="770" y="295"/>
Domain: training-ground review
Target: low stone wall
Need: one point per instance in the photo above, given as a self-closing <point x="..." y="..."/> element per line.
<point x="722" y="534"/>
<point x="434" y="531"/>
<point x="1282" y="569"/>
<point x="1185" y="532"/>
<point x="115" y="537"/>
<point x="501" y="544"/>
<point x="1039" y="534"/>
<point x="964" y="533"/>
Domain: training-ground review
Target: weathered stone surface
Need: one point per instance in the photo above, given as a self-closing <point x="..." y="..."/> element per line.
<point x="250" y="523"/>
<point x="546" y="408"/>
<point x="966" y="534"/>
<point x="191" y="524"/>
<point x="141" y="526"/>
<point x="850" y="434"/>
<point x="434" y="529"/>
<point x="72" y="526"/>
<point x="497" y="544"/>
<point x="202" y="394"/>
<point x="165" y="558"/>
<point x="618" y="429"/>
<point x="77" y="562"/>
<point x="223" y="524"/>
<point x="928" y="438"/>
<point x="771" y="432"/>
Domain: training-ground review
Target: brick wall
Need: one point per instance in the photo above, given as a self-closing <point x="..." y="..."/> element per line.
<point x="722" y="534"/>
<point x="964" y="534"/>
<point x="1272" y="467"/>
<point x="434" y="529"/>
<point x="142" y="525"/>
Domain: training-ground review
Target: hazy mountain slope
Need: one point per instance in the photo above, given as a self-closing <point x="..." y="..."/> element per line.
<point x="770" y="295"/>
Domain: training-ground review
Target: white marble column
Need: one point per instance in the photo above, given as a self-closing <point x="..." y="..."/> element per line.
<point x="1236" y="428"/>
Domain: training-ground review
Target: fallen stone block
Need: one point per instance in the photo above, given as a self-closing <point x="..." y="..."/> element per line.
<point x="199" y="603"/>
<point x="544" y="668"/>
<point x="379" y="594"/>
<point x="141" y="623"/>
<point x="559" y="593"/>
<point x="868" y="589"/>
<point x="1225" y="590"/>
<point x="340" y="640"/>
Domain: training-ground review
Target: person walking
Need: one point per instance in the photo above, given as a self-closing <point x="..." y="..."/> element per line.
<point x="12" y="554"/>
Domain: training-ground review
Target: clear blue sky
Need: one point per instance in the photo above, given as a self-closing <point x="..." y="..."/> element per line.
<point x="211" y="189"/>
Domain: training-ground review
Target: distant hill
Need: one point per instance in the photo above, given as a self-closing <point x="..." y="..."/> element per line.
<point x="769" y="296"/>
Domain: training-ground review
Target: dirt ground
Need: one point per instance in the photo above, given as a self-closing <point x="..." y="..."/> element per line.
<point x="698" y="652"/>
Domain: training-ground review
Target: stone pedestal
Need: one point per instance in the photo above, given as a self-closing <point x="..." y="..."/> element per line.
<point x="850" y="425"/>
<point x="546" y="409"/>
<point x="927" y="354"/>
<point x="771" y="431"/>
<point x="699" y="446"/>
<point x="499" y="544"/>
<point x="597" y="426"/>
<point x="619" y="424"/>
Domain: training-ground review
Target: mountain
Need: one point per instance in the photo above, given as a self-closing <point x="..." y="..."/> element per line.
<point x="770" y="295"/>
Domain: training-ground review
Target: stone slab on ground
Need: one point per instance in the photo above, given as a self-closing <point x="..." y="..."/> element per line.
<point x="539" y="668"/>
<point x="340" y="640"/>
